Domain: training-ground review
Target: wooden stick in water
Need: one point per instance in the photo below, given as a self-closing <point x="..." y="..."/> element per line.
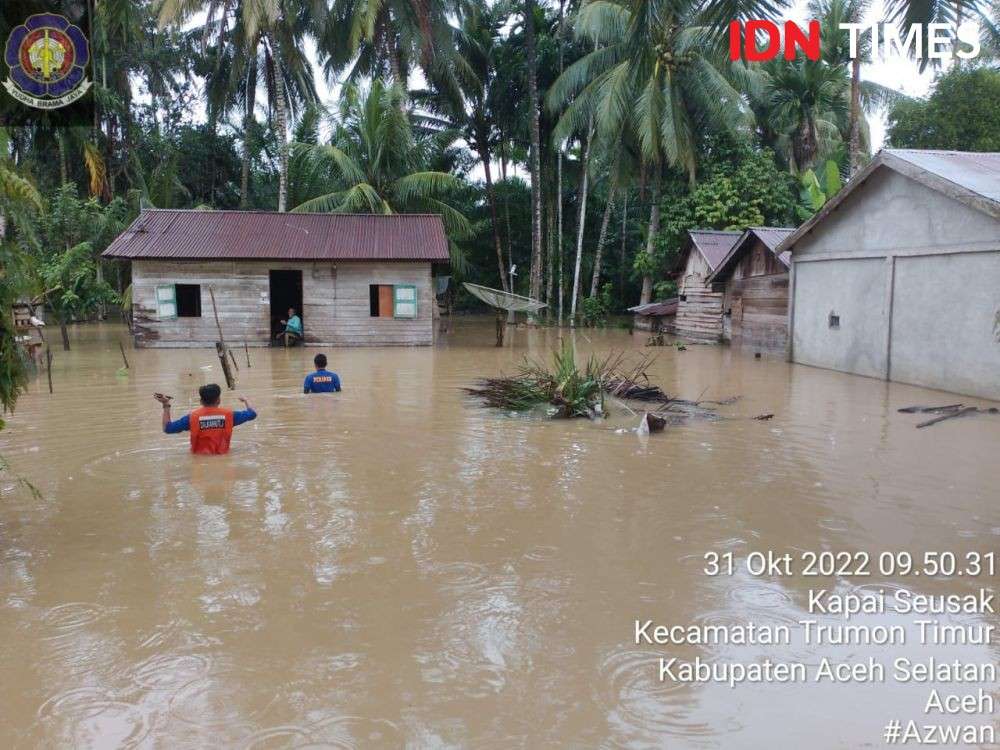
<point x="121" y="348"/>
<point x="233" y="357"/>
<point x="211" y="291"/>
<point x="48" y="365"/>
<point x="220" y="349"/>
<point x="247" y="350"/>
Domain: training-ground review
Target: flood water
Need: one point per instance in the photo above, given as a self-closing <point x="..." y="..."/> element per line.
<point x="394" y="566"/>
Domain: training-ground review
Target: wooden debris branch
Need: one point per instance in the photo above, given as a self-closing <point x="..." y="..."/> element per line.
<point x="950" y="411"/>
<point x="121" y="348"/>
<point x="247" y="350"/>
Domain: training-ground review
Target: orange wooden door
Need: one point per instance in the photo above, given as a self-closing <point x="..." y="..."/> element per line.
<point x="385" y="301"/>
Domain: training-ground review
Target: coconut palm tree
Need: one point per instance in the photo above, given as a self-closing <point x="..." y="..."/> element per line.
<point x="464" y="98"/>
<point x="657" y="71"/>
<point x="805" y="99"/>
<point x="377" y="164"/>
<point x="265" y="42"/>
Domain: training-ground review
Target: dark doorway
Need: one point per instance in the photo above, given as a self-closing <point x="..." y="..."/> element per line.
<point x="286" y="291"/>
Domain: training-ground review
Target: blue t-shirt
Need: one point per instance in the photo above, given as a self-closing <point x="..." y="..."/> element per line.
<point x="184" y="423"/>
<point x="294" y="324"/>
<point x="321" y="381"/>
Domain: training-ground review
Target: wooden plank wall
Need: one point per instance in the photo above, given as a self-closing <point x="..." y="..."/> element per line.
<point x="699" y="311"/>
<point x="335" y="307"/>
<point x="756" y="302"/>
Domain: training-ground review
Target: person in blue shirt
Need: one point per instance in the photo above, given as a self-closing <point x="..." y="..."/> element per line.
<point x="321" y="381"/>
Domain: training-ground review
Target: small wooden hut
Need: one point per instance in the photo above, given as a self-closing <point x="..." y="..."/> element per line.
<point x="656" y="316"/>
<point x="753" y="280"/>
<point x="699" y="307"/>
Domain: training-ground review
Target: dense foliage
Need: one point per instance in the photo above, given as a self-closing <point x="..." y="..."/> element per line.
<point x="961" y="113"/>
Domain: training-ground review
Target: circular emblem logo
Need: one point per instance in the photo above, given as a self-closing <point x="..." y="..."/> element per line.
<point x="47" y="57"/>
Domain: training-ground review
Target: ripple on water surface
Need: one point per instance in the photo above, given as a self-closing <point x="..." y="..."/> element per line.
<point x="641" y="709"/>
<point x="91" y="718"/>
<point x="65" y="618"/>
<point x="355" y="733"/>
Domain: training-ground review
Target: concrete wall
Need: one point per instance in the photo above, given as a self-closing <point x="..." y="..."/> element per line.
<point x="914" y="277"/>
<point x="335" y="303"/>
<point x="852" y="289"/>
<point x="946" y="323"/>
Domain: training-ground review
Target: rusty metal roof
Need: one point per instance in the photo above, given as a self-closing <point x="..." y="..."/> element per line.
<point x="714" y="245"/>
<point x="771" y="237"/>
<point x="259" y="235"/>
<point x="656" y="309"/>
<point x="972" y="178"/>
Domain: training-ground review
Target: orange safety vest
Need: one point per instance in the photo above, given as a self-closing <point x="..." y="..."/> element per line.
<point x="211" y="430"/>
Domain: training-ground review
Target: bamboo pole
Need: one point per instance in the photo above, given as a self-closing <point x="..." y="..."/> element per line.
<point x="247" y="350"/>
<point x="48" y="365"/>
<point x="121" y="348"/>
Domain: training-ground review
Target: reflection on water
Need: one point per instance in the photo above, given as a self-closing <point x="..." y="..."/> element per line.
<point x="395" y="567"/>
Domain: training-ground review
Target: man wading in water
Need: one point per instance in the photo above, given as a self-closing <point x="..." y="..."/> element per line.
<point x="211" y="426"/>
<point x="321" y="381"/>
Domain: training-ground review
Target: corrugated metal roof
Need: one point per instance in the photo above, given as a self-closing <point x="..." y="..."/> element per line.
<point x="771" y="237"/>
<point x="978" y="172"/>
<point x="714" y="245"/>
<point x="656" y="309"/>
<point x="259" y="235"/>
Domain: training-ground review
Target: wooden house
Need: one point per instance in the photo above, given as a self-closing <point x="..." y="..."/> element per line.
<point x="353" y="279"/>
<point x="898" y="275"/>
<point x="753" y="280"/>
<point x="699" y="307"/>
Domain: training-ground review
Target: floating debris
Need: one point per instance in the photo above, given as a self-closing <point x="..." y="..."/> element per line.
<point x="570" y="391"/>
<point x="949" y="411"/>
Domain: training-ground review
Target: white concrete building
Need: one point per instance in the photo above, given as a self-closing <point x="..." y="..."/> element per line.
<point x="898" y="276"/>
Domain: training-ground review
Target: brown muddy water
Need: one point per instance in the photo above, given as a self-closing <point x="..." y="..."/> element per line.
<point x="394" y="566"/>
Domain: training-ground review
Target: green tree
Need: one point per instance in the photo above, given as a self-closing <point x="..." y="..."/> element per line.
<point x="378" y="165"/>
<point x="265" y="44"/>
<point x="19" y="201"/>
<point x="961" y="113"/>
<point x="658" y="69"/>
<point x="66" y="240"/>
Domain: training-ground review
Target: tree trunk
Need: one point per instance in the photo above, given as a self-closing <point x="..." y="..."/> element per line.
<point x="559" y="229"/>
<point x="484" y="157"/>
<point x="621" y="249"/>
<point x="804" y="146"/>
<point x="580" y="223"/>
<point x="65" y="335"/>
<point x="63" y="160"/>
<point x="595" y="279"/>
<point x="550" y="221"/>
<point x="854" y="142"/>
<point x="654" y="228"/>
<point x="248" y="121"/>
<point x="281" y="115"/>
<point x="536" y="151"/>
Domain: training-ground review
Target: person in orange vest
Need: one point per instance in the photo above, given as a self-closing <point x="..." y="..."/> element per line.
<point x="211" y="426"/>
